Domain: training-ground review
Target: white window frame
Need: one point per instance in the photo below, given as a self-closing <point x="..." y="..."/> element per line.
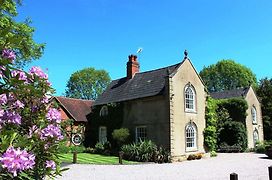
<point x="104" y="111"/>
<point x="140" y="131"/>
<point x="102" y="134"/>
<point x="191" y="137"/>
<point x="190" y="98"/>
<point x="255" y="137"/>
<point x="254" y="115"/>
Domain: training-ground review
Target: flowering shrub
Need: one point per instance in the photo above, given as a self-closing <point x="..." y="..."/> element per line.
<point x="30" y="131"/>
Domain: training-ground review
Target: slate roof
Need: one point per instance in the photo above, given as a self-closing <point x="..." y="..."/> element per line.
<point x="240" y="92"/>
<point x="77" y="108"/>
<point x="144" y="84"/>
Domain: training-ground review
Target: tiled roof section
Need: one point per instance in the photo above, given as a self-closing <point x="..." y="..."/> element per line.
<point x="77" y="108"/>
<point x="145" y="84"/>
<point x="240" y="92"/>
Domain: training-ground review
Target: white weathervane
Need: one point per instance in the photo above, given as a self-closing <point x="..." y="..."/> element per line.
<point x="139" y="50"/>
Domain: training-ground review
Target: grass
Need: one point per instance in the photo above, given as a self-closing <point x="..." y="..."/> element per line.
<point x="87" y="158"/>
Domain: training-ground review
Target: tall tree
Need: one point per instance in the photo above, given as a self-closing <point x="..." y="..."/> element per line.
<point x="227" y="75"/>
<point x="265" y="93"/>
<point x="17" y="36"/>
<point x="87" y="83"/>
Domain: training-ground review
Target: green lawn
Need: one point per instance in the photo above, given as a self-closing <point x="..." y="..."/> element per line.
<point x="86" y="158"/>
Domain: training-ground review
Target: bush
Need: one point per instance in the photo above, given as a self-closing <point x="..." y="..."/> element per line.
<point x="103" y="148"/>
<point x="63" y="149"/>
<point x="261" y="147"/>
<point x="89" y="150"/>
<point x="234" y="135"/>
<point x="224" y="147"/>
<point x="78" y="149"/>
<point x="145" y="151"/>
<point x="120" y="135"/>
<point x="269" y="152"/>
<point x="213" y="154"/>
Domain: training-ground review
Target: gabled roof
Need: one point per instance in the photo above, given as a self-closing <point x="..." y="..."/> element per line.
<point x="77" y="108"/>
<point x="144" y="84"/>
<point x="240" y="92"/>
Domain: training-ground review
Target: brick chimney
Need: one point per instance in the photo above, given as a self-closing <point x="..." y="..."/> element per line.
<point x="133" y="66"/>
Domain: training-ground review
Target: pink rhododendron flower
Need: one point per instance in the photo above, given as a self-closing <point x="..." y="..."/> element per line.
<point x="21" y="74"/>
<point x="17" y="160"/>
<point x="10" y="117"/>
<point x="38" y="72"/>
<point x="8" y="54"/>
<point x="51" y="131"/>
<point x="18" y="104"/>
<point x="53" y="115"/>
<point x="3" y="99"/>
<point x="33" y="130"/>
<point x="50" y="164"/>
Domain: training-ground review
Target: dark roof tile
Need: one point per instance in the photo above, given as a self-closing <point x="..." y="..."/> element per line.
<point x="77" y="108"/>
<point x="240" y="92"/>
<point x="145" y="84"/>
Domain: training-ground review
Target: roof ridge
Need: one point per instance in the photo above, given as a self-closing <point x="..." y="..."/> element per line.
<point x="159" y="68"/>
<point x="74" y="98"/>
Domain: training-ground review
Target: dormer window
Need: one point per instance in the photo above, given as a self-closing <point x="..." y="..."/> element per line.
<point x="104" y="111"/>
<point x="254" y="115"/>
<point x="190" y="98"/>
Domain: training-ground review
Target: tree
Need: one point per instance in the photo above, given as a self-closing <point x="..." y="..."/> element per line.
<point x="30" y="131"/>
<point x="227" y="75"/>
<point x="17" y="36"/>
<point x="87" y="83"/>
<point x="264" y="91"/>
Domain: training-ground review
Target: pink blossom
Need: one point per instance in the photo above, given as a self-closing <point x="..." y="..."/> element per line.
<point x="33" y="130"/>
<point x="17" y="160"/>
<point x="10" y="117"/>
<point x="18" y="104"/>
<point x="38" y="72"/>
<point x="8" y="54"/>
<point x="21" y="75"/>
<point x="51" y="131"/>
<point x="53" y="115"/>
<point x="3" y="99"/>
<point x="50" y="164"/>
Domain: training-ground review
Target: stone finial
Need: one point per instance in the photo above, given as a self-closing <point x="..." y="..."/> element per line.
<point x="185" y="54"/>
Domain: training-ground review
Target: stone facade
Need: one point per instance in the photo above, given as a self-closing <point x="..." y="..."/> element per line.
<point x="253" y="126"/>
<point x="179" y="116"/>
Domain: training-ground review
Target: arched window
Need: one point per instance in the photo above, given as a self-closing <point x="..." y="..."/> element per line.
<point x="103" y="111"/>
<point x="254" y="115"/>
<point x="191" y="134"/>
<point x="190" y="99"/>
<point x="255" y="137"/>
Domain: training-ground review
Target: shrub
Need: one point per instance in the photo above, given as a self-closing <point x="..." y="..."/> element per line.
<point x="78" y="149"/>
<point x="261" y="147"/>
<point x="224" y="147"/>
<point x="103" y="148"/>
<point x="233" y="134"/>
<point x="145" y="151"/>
<point x="191" y="157"/>
<point x="120" y="135"/>
<point x="89" y="150"/>
<point x="213" y="154"/>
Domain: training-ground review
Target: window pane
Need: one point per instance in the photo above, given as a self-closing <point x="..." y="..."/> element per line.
<point x="141" y="134"/>
<point x="190" y="136"/>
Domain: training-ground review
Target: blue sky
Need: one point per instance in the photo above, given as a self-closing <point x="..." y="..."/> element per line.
<point x="102" y="33"/>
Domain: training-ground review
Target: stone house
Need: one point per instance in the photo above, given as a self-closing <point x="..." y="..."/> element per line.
<point x="74" y="111"/>
<point x="165" y="105"/>
<point x="253" y="121"/>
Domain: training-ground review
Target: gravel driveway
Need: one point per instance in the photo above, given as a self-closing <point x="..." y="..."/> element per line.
<point x="248" y="166"/>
